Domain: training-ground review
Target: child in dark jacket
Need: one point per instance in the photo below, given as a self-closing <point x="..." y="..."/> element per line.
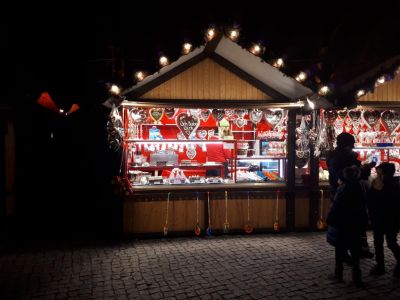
<point x="384" y="211"/>
<point x="349" y="217"/>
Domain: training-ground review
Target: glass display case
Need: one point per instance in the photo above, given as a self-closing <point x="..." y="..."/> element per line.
<point x="178" y="146"/>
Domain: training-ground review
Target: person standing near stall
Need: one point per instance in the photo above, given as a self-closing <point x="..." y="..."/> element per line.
<point x="349" y="217"/>
<point x="337" y="160"/>
<point x="384" y="210"/>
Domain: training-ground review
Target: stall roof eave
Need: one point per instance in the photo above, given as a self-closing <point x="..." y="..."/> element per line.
<point x="237" y="60"/>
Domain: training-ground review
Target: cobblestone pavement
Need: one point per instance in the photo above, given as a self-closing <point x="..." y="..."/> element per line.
<point x="267" y="266"/>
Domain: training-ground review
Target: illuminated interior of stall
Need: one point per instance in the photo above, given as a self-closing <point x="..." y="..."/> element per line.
<point x="165" y="143"/>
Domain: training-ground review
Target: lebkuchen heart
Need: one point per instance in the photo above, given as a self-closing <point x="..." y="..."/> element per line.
<point x="371" y="117"/>
<point x="187" y="124"/>
<point x="390" y="120"/>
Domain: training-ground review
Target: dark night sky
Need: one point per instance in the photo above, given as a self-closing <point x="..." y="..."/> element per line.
<point x="68" y="49"/>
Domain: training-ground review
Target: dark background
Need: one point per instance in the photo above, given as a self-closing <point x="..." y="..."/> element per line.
<point x="64" y="166"/>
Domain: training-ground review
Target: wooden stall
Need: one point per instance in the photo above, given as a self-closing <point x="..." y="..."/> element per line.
<point x="218" y="94"/>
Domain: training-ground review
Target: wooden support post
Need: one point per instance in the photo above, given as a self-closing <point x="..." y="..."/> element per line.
<point x="291" y="156"/>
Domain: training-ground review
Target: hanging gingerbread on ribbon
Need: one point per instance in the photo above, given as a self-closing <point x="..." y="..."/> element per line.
<point x="209" y="230"/>
<point x="197" y="228"/>
<point x="165" y="229"/>
<point x="321" y="224"/>
<point x="226" y="224"/>
<point x="248" y="227"/>
<point x="277" y="226"/>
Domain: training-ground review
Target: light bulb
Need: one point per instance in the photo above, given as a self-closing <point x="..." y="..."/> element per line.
<point x="163" y="61"/>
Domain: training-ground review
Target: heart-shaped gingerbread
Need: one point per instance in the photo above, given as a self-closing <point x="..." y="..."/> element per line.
<point x="390" y="120"/>
<point x="156" y="114"/>
<point x="330" y="116"/>
<point x="187" y="124"/>
<point x="371" y="117"/>
<point x="138" y="115"/>
<point x="170" y="112"/>
<point x="218" y="114"/>
<point x="273" y="117"/>
<point x="255" y="115"/>
<point x="205" y="114"/>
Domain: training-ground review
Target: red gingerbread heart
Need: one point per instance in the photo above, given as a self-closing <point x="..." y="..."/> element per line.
<point x="187" y="124"/>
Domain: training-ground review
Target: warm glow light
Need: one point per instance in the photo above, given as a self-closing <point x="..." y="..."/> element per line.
<point x="139" y="76"/>
<point x="115" y="89"/>
<point x="256" y="49"/>
<point x="278" y="63"/>
<point x="163" y="61"/>
<point x="360" y="93"/>
<point x="301" y="77"/>
<point x="187" y="47"/>
<point x="61" y="111"/>
<point x="323" y="90"/>
<point x="310" y="103"/>
<point x="234" y="34"/>
<point x="210" y="34"/>
<point x="380" y="80"/>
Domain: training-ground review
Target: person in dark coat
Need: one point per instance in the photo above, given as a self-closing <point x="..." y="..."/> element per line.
<point x="343" y="156"/>
<point x="384" y="211"/>
<point x="349" y="217"/>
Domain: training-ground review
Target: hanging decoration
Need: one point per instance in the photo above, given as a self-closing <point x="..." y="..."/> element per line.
<point x="187" y="124"/>
<point x="371" y="118"/>
<point x="390" y="120"/>
<point x="302" y="144"/>
<point x="355" y="120"/>
<point x="209" y="230"/>
<point x="248" y="227"/>
<point x="321" y="225"/>
<point x="191" y="151"/>
<point x="170" y="112"/>
<point x="197" y="229"/>
<point x="205" y="114"/>
<point x="273" y="116"/>
<point x="241" y="112"/>
<point x="277" y="226"/>
<point x="255" y="115"/>
<point x="226" y="224"/>
<point x="165" y="229"/>
<point x="240" y="122"/>
<point x="218" y="114"/>
<point x="138" y="115"/>
<point x="156" y="114"/>
<point x="230" y="114"/>
<point x="115" y="129"/>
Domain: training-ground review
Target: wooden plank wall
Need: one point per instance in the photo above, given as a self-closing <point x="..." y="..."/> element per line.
<point x="387" y="92"/>
<point x="149" y="216"/>
<point x="206" y="80"/>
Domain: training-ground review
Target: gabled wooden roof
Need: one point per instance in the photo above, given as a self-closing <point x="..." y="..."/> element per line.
<point x="221" y="70"/>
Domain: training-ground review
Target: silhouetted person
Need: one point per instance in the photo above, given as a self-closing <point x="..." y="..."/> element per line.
<point x="343" y="156"/>
<point x="349" y="217"/>
<point x="384" y="211"/>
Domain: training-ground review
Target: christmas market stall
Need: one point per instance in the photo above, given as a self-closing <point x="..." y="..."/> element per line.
<point x="210" y="142"/>
<point x="374" y="122"/>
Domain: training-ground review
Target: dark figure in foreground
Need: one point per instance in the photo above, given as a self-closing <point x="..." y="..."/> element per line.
<point x="384" y="211"/>
<point x="349" y="217"/>
<point x="343" y="156"/>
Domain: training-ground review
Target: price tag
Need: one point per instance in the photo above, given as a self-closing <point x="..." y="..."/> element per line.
<point x="229" y="146"/>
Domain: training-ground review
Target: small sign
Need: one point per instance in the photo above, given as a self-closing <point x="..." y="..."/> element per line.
<point x="229" y="146"/>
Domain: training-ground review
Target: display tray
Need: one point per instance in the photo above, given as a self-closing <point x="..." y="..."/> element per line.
<point x="209" y="186"/>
